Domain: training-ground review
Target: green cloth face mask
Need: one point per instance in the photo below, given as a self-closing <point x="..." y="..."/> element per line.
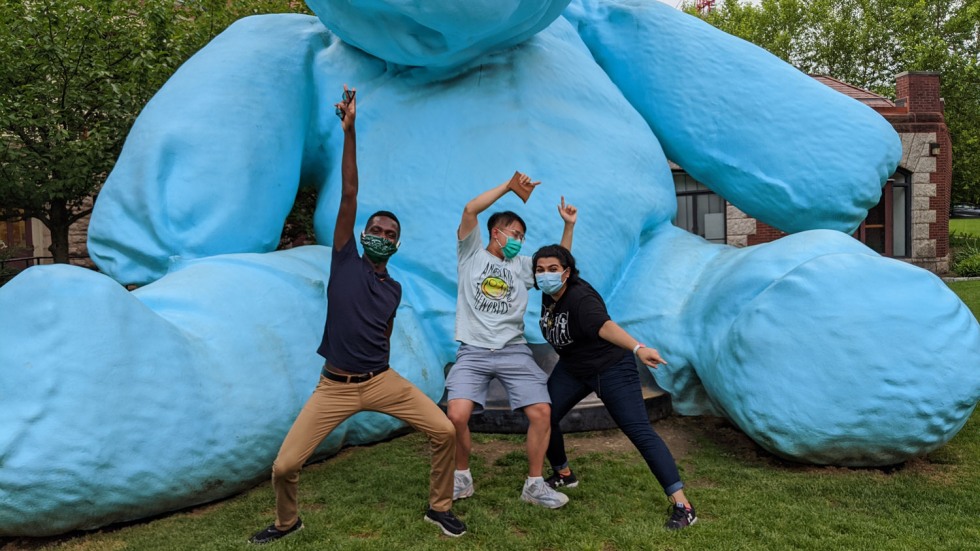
<point x="378" y="249"/>
<point x="511" y="249"/>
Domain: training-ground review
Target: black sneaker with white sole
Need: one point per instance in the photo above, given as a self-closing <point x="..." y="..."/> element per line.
<point x="681" y="517"/>
<point x="272" y="533"/>
<point x="451" y="526"/>
<point x="558" y="480"/>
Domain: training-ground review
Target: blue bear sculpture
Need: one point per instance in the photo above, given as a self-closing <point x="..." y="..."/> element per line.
<point x="117" y="405"/>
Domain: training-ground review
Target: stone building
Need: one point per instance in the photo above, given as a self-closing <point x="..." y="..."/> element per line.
<point x="910" y="223"/>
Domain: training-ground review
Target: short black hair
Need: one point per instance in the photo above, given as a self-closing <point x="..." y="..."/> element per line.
<point x="564" y="257"/>
<point x="386" y="214"/>
<point x="504" y="218"/>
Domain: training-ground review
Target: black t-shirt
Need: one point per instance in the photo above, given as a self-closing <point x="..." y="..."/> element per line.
<point x="571" y="326"/>
<point x="360" y="304"/>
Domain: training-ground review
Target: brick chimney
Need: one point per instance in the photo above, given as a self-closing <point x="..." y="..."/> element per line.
<point x="919" y="91"/>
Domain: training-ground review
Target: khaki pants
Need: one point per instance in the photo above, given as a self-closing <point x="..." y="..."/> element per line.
<point x="331" y="403"/>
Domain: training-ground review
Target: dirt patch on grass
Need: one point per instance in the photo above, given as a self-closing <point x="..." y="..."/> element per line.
<point x="725" y="435"/>
<point x="677" y="432"/>
<point x="685" y="435"/>
<point x="673" y="430"/>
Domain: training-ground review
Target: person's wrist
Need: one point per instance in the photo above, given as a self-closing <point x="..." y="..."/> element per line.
<point x="638" y="347"/>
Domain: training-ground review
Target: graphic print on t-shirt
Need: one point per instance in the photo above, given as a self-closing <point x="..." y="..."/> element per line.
<point x="555" y="329"/>
<point x="495" y="293"/>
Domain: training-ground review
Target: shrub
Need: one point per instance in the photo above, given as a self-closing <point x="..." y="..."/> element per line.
<point x="968" y="267"/>
<point x="966" y="254"/>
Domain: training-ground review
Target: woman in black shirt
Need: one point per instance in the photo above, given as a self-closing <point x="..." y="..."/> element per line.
<point x="597" y="355"/>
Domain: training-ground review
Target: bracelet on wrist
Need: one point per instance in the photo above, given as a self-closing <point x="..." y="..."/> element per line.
<point x="638" y="347"/>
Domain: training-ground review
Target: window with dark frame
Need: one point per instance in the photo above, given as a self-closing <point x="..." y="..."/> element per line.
<point x="901" y="214"/>
<point x="887" y="229"/>
<point x="699" y="210"/>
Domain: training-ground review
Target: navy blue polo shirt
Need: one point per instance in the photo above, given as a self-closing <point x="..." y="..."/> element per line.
<point x="360" y="304"/>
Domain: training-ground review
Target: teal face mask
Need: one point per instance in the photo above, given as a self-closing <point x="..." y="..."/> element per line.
<point x="377" y="249"/>
<point x="511" y="249"/>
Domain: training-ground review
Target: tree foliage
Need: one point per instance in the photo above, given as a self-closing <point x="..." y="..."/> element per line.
<point x="868" y="42"/>
<point x="73" y="76"/>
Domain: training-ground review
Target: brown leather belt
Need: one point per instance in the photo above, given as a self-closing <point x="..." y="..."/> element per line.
<point x="353" y="377"/>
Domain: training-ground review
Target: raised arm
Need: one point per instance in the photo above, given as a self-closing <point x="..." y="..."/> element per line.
<point x="612" y="332"/>
<point x="519" y="183"/>
<point x="344" y="230"/>
<point x="570" y="215"/>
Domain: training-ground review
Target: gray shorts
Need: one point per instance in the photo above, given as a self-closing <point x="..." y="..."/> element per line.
<point x="514" y="366"/>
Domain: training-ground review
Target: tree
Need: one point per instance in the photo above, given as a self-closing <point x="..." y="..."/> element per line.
<point x="73" y="76"/>
<point x="867" y="42"/>
<point x="961" y="93"/>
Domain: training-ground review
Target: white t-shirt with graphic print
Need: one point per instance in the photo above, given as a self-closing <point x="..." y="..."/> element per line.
<point x="491" y="295"/>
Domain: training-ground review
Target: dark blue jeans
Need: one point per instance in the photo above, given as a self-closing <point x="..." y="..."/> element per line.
<point x="619" y="389"/>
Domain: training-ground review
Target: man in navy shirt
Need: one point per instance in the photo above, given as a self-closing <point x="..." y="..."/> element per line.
<point x="361" y="302"/>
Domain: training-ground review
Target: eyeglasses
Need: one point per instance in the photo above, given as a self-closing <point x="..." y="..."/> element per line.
<point x="516" y="235"/>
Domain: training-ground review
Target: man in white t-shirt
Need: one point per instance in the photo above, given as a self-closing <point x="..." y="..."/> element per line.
<point x="490" y="305"/>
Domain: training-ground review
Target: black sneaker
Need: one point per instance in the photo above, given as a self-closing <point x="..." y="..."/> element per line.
<point x="451" y="526"/>
<point x="680" y="517"/>
<point x="272" y="533"/>
<point x="558" y="480"/>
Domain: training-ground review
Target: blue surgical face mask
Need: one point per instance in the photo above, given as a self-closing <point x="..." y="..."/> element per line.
<point x="550" y="282"/>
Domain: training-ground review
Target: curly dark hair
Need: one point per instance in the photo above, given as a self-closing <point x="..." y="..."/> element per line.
<point x="564" y="257"/>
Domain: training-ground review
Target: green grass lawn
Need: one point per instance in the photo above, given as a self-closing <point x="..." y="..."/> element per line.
<point x="969" y="291"/>
<point x="373" y="497"/>
<point x="970" y="226"/>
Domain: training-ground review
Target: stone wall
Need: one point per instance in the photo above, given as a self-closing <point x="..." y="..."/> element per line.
<point x="927" y="154"/>
<point x="925" y="242"/>
<point x="738" y="226"/>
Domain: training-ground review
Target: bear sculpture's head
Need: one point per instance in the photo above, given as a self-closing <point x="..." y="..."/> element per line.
<point x="438" y="34"/>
